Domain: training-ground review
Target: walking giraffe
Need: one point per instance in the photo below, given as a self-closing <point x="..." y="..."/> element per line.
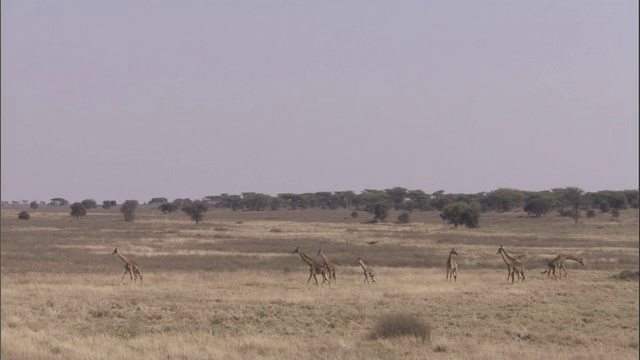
<point x="328" y="264"/>
<point x="558" y="263"/>
<point x="129" y="267"/>
<point x="315" y="268"/>
<point x="514" y="266"/>
<point x="368" y="273"/>
<point x="452" y="266"/>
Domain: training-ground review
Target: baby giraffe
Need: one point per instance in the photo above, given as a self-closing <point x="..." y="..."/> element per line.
<point x="452" y="266"/>
<point x="368" y="273"/>
<point x="129" y="267"/>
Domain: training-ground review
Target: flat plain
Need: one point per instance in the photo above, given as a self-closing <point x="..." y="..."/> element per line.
<point x="230" y="287"/>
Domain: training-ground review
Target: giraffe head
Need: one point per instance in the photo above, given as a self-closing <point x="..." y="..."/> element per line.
<point x="320" y="252"/>
<point x="359" y="260"/>
<point x="114" y="251"/>
<point x="453" y="252"/>
<point x="580" y="261"/>
<point x="297" y="250"/>
<point x="500" y="249"/>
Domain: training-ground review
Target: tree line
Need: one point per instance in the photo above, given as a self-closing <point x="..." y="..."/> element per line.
<point x="457" y="209"/>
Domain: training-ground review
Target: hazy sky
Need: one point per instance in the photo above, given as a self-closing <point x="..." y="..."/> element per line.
<point x="139" y="99"/>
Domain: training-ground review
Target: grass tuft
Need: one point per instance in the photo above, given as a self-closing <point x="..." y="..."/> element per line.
<point x="397" y="325"/>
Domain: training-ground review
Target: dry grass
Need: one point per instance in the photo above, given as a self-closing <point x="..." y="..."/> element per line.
<point x="229" y="288"/>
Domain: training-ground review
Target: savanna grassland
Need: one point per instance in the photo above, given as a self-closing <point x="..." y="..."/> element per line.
<point x="230" y="287"/>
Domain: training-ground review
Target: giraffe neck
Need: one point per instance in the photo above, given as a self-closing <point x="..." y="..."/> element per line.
<point x="307" y="259"/>
<point x="507" y="259"/>
<point x="450" y="261"/>
<point x="324" y="258"/>
<point x="125" y="258"/>
<point x="571" y="257"/>
<point x="364" y="267"/>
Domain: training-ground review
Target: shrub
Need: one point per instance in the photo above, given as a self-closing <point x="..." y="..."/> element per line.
<point x="196" y="210"/>
<point x="461" y="213"/>
<point x="168" y="207"/>
<point x="591" y="213"/>
<point x="77" y="210"/>
<point x="404" y="218"/>
<point x="396" y="325"/>
<point x="128" y="209"/>
<point x="354" y="215"/>
<point x="381" y="211"/>
<point x="24" y="215"/>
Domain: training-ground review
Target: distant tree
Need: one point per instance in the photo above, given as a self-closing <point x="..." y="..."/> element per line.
<point x="618" y="200"/>
<point x="291" y="200"/>
<point x="404" y="218"/>
<point x="633" y="198"/>
<point x="196" y="210"/>
<point x="276" y="203"/>
<point x="58" y="202"/>
<point x="255" y="201"/>
<point x="537" y="205"/>
<point x="108" y="204"/>
<point x="502" y="200"/>
<point x="420" y="199"/>
<point x="604" y="206"/>
<point x="157" y="201"/>
<point x="128" y="209"/>
<point x="345" y="198"/>
<point x="397" y="196"/>
<point x="24" y="215"/>
<point x="461" y="213"/>
<point x="374" y="199"/>
<point x="439" y="200"/>
<point x="34" y="205"/>
<point x="168" y="207"/>
<point x="381" y="211"/>
<point x="615" y="214"/>
<point x="89" y="204"/>
<point x="77" y="210"/>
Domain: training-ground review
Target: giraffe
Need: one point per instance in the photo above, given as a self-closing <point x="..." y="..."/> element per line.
<point x="514" y="266"/>
<point x="129" y="267"/>
<point x="452" y="266"/>
<point x="368" y="273"/>
<point x="315" y="268"/>
<point x="330" y="267"/>
<point x="558" y="263"/>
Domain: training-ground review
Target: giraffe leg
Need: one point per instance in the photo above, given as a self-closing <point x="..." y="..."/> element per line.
<point x="309" y="279"/>
<point x="123" y="275"/>
<point x="455" y="275"/>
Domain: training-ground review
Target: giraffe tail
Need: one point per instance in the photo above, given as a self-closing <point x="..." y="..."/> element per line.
<point x="544" y="272"/>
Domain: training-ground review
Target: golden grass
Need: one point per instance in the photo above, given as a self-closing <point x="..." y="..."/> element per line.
<point x="229" y="288"/>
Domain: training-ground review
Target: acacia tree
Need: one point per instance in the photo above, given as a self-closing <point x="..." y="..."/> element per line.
<point x="196" y="210"/>
<point x="89" y="204"/>
<point x="34" y="205"/>
<point x="77" y="210"/>
<point x="461" y="213"/>
<point x="537" y="205"/>
<point x="58" y="202"/>
<point x="128" y="209"/>
<point x="168" y="207"/>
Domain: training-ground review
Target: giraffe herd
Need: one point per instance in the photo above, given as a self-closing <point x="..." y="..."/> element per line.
<point x="327" y="269"/>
